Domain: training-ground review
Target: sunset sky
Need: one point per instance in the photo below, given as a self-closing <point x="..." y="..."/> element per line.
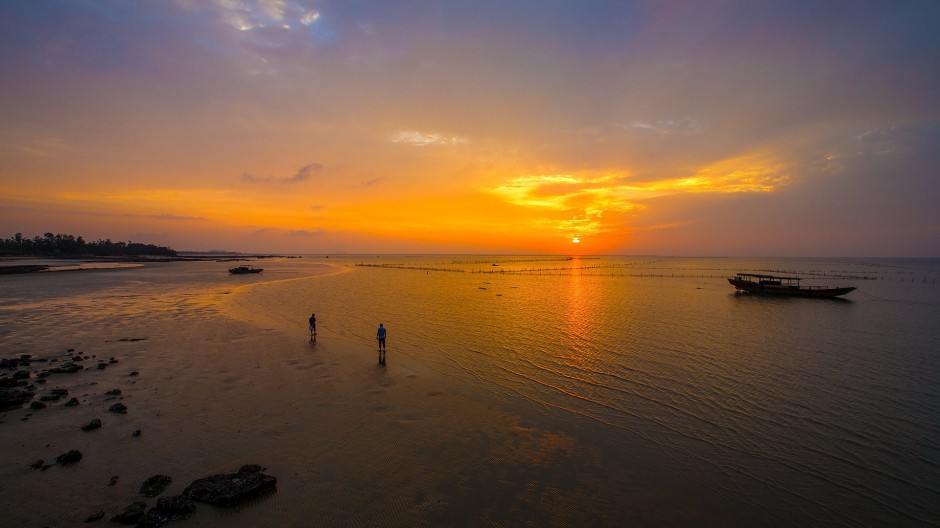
<point x="739" y="128"/>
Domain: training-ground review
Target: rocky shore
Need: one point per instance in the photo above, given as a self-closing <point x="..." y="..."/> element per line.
<point x="23" y="384"/>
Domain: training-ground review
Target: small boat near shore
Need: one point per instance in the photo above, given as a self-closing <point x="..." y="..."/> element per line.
<point x="778" y="285"/>
<point x="244" y="270"/>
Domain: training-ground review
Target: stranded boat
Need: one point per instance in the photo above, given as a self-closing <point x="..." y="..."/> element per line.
<point x="241" y="270"/>
<point x="775" y="285"/>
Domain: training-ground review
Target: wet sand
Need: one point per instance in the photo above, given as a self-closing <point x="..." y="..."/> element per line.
<point x="351" y="443"/>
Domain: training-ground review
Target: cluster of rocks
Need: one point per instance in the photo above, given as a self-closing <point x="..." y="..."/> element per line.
<point x="218" y="490"/>
<point x="26" y="374"/>
<point x="19" y="386"/>
<point x="65" y="459"/>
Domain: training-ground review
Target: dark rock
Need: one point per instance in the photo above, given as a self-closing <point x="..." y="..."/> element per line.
<point x="9" y="363"/>
<point x="113" y="481"/>
<point x="8" y="382"/>
<point x="92" y="425"/>
<point x="55" y="394"/>
<point x="37" y="464"/>
<point x="40" y="380"/>
<point x="66" y="368"/>
<point x="102" y="366"/>
<point x="78" y="358"/>
<point x="43" y="374"/>
<point x="71" y="457"/>
<point x="95" y="517"/>
<point x="136" y="433"/>
<point x="72" y="403"/>
<point x="132" y="514"/>
<point x="168" y="509"/>
<point x="11" y="397"/>
<point x="112" y="361"/>
<point x="155" y="485"/>
<point x="134" y="373"/>
<point x="37" y="405"/>
<point x="119" y="408"/>
<point x="114" y="392"/>
<point x="233" y="488"/>
<point x="21" y="374"/>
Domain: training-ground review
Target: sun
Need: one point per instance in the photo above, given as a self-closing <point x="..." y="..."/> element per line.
<point x="575" y="240"/>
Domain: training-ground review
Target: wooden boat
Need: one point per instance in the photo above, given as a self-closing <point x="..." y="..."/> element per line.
<point x="242" y="270"/>
<point x="777" y="285"/>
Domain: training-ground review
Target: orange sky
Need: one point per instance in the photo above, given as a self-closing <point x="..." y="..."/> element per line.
<point x="325" y="127"/>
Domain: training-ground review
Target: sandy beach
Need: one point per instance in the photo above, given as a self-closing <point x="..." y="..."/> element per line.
<point x="218" y="386"/>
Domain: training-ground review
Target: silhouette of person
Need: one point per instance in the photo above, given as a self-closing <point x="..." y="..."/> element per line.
<point x="380" y="335"/>
<point x="313" y="326"/>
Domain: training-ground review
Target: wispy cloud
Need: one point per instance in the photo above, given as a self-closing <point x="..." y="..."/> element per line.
<point x="421" y="139"/>
<point x="174" y="217"/>
<point x="670" y="127"/>
<point x="302" y="175"/>
<point x="249" y="177"/>
<point x="44" y="147"/>
<point x="374" y="181"/>
<point x="248" y="15"/>
<point x="307" y="233"/>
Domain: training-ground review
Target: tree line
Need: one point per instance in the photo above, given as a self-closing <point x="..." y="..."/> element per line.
<point x="69" y="245"/>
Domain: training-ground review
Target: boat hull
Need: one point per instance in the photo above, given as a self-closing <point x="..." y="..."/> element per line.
<point x="793" y="291"/>
<point x="244" y="271"/>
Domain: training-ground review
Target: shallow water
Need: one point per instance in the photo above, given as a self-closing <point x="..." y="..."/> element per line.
<point x="722" y="408"/>
<point x="783" y="410"/>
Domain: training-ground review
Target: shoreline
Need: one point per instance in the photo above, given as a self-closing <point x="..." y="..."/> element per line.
<point x="350" y="443"/>
<point x="9" y="266"/>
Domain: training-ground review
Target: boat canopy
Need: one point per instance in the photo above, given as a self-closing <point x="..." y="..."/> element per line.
<point x="791" y="281"/>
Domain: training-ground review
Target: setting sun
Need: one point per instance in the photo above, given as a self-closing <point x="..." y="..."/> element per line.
<point x="575" y="240"/>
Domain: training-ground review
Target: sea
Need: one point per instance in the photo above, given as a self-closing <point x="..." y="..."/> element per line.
<point x="749" y="409"/>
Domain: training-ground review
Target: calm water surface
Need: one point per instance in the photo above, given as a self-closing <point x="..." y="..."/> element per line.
<point x="779" y="411"/>
<point x="784" y="410"/>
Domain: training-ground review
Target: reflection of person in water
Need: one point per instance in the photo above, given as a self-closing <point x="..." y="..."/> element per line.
<point x="380" y="335"/>
<point x="313" y="326"/>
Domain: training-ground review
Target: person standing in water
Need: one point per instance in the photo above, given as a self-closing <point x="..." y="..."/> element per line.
<point x="313" y="326"/>
<point x="380" y="335"/>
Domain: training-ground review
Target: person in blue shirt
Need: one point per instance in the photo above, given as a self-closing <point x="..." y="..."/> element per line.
<point x="380" y="335"/>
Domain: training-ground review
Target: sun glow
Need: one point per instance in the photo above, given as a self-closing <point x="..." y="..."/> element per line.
<point x="575" y="240"/>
